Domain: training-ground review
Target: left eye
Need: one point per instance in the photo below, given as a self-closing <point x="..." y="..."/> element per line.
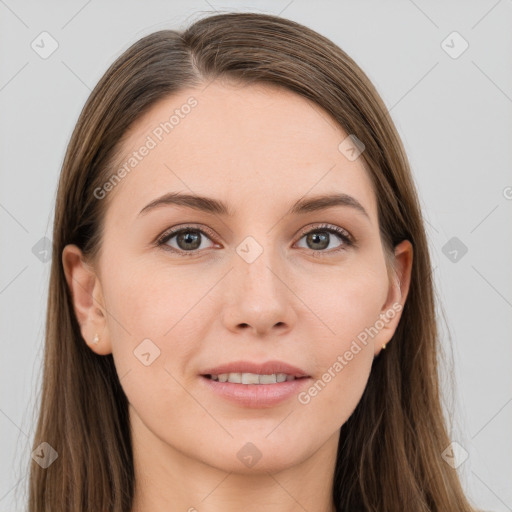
<point x="321" y="238"/>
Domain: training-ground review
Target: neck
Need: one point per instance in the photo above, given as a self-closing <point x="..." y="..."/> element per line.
<point x="165" y="475"/>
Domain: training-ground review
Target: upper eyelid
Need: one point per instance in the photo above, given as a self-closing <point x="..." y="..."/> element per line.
<point x="326" y="226"/>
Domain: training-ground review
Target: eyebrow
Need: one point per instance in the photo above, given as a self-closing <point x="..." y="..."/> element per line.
<point x="210" y="205"/>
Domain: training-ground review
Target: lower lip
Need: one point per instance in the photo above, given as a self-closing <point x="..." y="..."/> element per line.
<point x="256" y="395"/>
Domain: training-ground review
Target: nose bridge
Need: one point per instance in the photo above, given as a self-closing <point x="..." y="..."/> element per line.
<point x="256" y="265"/>
<point x="258" y="296"/>
<point x="257" y="262"/>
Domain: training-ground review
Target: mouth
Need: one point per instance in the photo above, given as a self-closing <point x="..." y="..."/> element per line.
<point x="253" y="373"/>
<point x="255" y="390"/>
<point x="253" y="378"/>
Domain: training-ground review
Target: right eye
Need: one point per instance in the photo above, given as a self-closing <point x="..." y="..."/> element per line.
<point x="188" y="240"/>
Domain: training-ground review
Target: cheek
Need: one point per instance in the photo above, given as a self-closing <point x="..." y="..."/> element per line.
<point x="151" y="300"/>
<point x="348" y="303"/>
<point x="154" y="313"/>
<point x="346" y="300"/>
<point x="160" y="315"/>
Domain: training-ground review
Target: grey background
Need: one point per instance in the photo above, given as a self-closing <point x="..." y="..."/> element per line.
<point x="453" y="114"/>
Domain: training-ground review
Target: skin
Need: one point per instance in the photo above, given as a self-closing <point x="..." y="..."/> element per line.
<point x="259" y="149"/>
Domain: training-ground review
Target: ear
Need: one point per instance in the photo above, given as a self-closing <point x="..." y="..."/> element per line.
<point x="400" y="280"/>
<point x="88" y="301"/>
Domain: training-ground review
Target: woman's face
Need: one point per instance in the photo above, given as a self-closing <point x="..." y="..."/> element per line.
<point x="263" y="281"/>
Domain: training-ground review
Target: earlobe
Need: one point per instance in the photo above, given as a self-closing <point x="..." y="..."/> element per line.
<point x="86" y="293"/>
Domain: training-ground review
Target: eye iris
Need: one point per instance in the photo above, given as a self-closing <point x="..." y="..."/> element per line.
<point x="188" y="237"/>
<point x="322" y="238"/>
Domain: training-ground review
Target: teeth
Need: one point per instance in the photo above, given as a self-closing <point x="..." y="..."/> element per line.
<point x="252" y="378"/>
<point x="268" y="379"/>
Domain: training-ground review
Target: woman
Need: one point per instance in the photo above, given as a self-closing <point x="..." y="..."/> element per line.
<point x="241" y="312"/>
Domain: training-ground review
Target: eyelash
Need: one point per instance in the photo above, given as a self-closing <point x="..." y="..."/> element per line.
<point x="348" y="240"/>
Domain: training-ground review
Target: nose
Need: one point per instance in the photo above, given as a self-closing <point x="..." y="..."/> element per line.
<point x="258" y="297"/>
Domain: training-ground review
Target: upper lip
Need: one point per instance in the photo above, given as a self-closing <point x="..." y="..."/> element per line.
<point x="266" y="368"/>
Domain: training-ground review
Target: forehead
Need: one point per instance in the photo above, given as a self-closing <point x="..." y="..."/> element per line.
<point x="249" y="146"/>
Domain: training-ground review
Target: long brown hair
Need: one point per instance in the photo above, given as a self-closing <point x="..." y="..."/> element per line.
<point x="389" y="454"/>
